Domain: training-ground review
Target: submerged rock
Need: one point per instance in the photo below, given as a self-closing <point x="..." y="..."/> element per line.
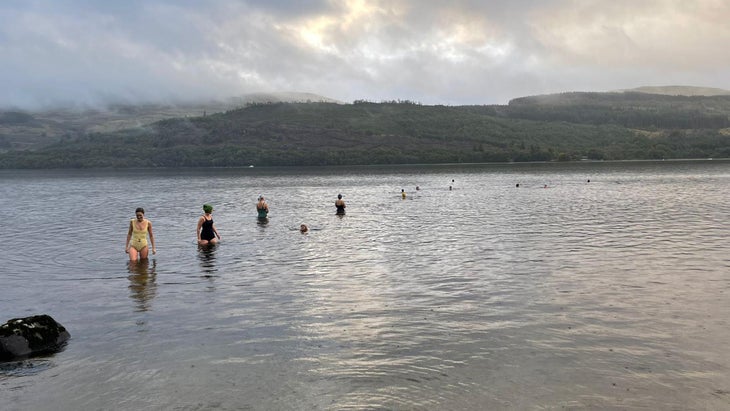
<point x="22" y="337"/>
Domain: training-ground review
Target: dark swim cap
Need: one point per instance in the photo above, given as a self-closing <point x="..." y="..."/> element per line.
<point x="339" y="195"/>
<point x="207" y="208"/>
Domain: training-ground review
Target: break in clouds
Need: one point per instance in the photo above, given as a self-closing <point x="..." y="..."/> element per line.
<point x="91" y="52"/>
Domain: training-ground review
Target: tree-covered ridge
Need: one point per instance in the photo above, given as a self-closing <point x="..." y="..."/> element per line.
<point x="681" y="90"/>
<point x="571" y="126"/>
<point x="629" y="109"/>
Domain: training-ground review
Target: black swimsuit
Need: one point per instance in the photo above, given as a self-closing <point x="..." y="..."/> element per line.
<point x="207" y="232"/>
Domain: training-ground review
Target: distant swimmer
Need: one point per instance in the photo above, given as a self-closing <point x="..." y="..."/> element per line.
<point x="206" y="232"/>
<point x="403" y="193"/>
<point x="418" y="188"/>
<point x="139" y="228"/>
<point x="340" y="204"/>
<point x="303" y="228"/>
<point x="262" y="208"/>
<point x="517" y="185"/>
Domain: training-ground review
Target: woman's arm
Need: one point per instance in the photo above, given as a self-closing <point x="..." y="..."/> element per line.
<point x="200" y="224"/>
<point x="129" y="236"/>
<point x="152" y="236"/>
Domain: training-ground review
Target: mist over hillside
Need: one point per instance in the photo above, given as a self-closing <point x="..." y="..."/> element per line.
<point x="264" y="130"/>
<point x="679" y="91"/>
<point x="629" y="109"/>
<point x="26" y="129"/>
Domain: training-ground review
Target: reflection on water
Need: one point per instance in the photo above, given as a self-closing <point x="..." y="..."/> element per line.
<point x="608" y="295"/>
<point x="142" y="283"/>
<point x="24" y="368"/>
<point x="206" y="255"/>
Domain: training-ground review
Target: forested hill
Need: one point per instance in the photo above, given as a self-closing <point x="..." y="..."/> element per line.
<point x="628" y="109"/>
<point x="569" y="126"/>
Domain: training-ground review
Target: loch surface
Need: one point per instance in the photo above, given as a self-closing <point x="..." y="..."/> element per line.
<point x="608" y="294"/>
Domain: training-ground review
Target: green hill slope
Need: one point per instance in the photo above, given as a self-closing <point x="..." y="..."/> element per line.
<point x="628" y="109"/>
<point x="34" y="130"/>
<point x="567" y="126"/>
<point x="680" y="90"/>
<point x="365" y="133"/>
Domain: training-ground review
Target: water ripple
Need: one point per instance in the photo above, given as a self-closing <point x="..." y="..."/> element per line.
<point x="602" y="295"/>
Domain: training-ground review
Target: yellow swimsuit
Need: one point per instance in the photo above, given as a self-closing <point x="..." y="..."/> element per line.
<point x="139" y="237"/>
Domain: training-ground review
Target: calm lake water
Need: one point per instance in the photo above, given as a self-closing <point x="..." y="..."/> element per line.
<point x="608" y="294"/>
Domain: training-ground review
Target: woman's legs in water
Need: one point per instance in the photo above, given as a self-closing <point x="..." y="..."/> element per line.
<point x="135" y="255"/>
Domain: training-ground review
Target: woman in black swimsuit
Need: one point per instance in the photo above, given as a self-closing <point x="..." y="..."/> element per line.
<point x="340" y="205"/>
<point x="206" y="232"/>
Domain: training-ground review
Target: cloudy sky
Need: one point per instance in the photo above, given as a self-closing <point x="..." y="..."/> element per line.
<point x="88" y="52"/>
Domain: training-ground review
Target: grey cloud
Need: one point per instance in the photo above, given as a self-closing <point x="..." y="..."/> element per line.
<point x="460" y="52"/>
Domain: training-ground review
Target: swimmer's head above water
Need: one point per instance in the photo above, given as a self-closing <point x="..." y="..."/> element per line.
<point x="139" y="213"/>
<point x="207" y="208"/>
<point x="303" y="228"/>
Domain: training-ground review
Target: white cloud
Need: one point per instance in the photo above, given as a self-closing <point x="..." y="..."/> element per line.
<point x="460" y="52"/>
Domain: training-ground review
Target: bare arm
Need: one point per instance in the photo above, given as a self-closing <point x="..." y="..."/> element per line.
<point x="129" y="236"/>
<point x="152" y="236"/>
<point x="200" y="224"/>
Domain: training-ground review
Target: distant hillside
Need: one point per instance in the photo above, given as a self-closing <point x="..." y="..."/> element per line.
<point x="679" y="91"/>
<point x="381" y="133"/>
<point x="281" y="97"/>
<point x="627" y="109"/>
<point x="21" y="130"/>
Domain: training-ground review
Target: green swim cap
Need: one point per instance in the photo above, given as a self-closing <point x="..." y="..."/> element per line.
<point x="207" y="208"/>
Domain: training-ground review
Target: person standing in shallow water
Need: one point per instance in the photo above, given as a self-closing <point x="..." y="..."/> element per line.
<point x="206" y="232"/>
<point x="262" y="208"/>
<point x="340" y="204"/>
<point x="139" y="228"/>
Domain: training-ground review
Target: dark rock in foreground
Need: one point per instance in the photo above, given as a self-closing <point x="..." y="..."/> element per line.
<point x="23" y="337"/>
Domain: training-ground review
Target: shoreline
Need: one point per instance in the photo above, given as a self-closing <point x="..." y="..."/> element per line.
<point x="364" y="166"/>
